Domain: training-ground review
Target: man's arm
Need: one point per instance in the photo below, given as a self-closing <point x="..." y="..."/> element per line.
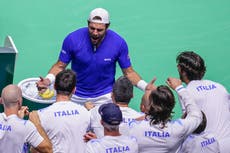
<point x="57" y="67"/>
<point x="135" y="78"/>
<point x="50" y="78"/>
<point x="131" y="75"/>
<point x="45" y="146"/>
<point x="194" y="115"/>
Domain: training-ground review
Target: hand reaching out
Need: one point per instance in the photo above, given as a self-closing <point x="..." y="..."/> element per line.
<point x="89" y="136"/>
<point x="151" y="85"/>
<point x="42" y="84"/>
<point x="173" y="82"/>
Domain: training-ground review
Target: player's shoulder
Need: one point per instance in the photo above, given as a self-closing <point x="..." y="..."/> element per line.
<point x="179" y="124"/>
<point x="13" y="118"/>
<point x="78" y="31"/>
<point x="94" y="145"/>
<point x="129" y="138"/>
<point x="46" y="109"/>
<point x="76" y="107"/>
<point x="212" y="82"/>
<point x="128" y="109"/>
<point x="20" y="126"/>
<point x="130" y="113"/>
<point x="95" y="142"/>
<point x="202" y="85"/>
<point x="77" y="34"/>
<point x="24" y="125"/>
<point x="137" y="124"/>
<point x="112" y="34"/>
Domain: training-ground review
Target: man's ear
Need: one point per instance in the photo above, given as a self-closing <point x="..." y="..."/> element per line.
<point x="1" y="100"/>
<point x="107" y="26"/>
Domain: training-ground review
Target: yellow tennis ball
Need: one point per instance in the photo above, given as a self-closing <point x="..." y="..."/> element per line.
<point x="47" y="94"/>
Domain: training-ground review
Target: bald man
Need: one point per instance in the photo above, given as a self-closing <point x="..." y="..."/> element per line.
<point x="15" y="132"/>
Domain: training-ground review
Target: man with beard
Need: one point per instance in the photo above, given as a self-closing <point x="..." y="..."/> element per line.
<point x="211" y="97"/>
<point x="93" y="52"/>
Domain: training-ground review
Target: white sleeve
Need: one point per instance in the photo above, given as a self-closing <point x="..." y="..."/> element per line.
<point x="188" y="102"/>
<point x="92" y="146"/>
<point x="88" y="148"/>
<point x="33" y="137"/>
<point x="180" y="99"/>
<point x="229" y="101"/>
<point x="95" y="123"/>
<point x="194" y="115"/>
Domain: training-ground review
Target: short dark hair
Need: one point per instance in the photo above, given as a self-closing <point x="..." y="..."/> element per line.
<point x="65" y="82"/>
<point x="162" y="102"/>
<point x="123" y="90"/>
<point x="192" y="64"/>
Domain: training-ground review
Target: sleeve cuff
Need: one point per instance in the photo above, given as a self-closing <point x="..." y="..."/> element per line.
<point x="51" y="77"/>
<point x="141" y="85"/>
<point x="179" y="88"/>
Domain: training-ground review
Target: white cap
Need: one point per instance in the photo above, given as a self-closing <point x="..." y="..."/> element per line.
<point x="99" y="15"/>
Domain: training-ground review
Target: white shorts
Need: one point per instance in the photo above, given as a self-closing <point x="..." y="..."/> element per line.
<point x="96" y="101"/>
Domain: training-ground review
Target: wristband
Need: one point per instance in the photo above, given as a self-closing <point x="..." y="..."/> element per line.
<point x="180" y="87"/>
<point x="51" y="77"/>
<point x="141" y="85"/>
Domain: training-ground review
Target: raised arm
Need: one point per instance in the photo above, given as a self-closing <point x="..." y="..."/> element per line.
<point x="194" y="115"/>
<point x="135" y="78"/>
<point x="45" y="146"/>
<point x="43" y="83"/>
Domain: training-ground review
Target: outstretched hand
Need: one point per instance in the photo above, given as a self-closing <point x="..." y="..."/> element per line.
<point x="150" y="86"/>
<point x="173" y="82"/>
<point x="89" y="136"/>
<point x="43" y="84"/>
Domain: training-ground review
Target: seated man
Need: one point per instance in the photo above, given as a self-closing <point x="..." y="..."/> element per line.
<point x="15" y="132"/>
